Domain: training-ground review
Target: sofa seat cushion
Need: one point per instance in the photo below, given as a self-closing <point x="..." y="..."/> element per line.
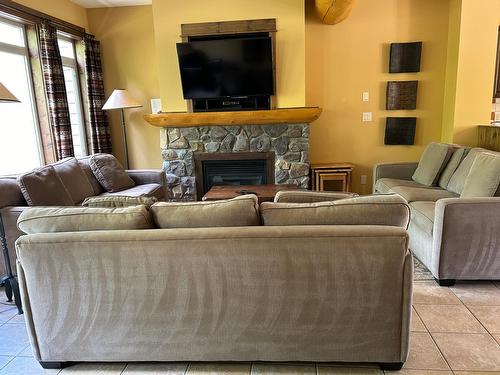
<point x="146" y="190"/>
<point x="389" y="210"/>
<point x="110" y="173"/>
<point x="76" y="219"/>
<point x="384" y="185"/>
<point x="307" y="196"/>
<point x="74" y="178"/>
<point x="483" y="179"/>
<point x="432" y="162"/>
<point x="44" y="187"/>
<point x="413" y="194"/>
<point x="422" y="215"/>
<point x="113" y="201"/>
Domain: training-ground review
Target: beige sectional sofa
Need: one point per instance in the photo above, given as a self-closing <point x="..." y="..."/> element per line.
<point x="219" y="281"/>
<point x="455" y="214"/>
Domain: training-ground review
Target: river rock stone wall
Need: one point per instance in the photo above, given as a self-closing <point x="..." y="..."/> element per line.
<point x="289" y="142"/>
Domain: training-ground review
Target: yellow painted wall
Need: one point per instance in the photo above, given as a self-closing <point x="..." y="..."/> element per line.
<point x="346" y="59"/>
<point x="129" y="61"/>
<point x="290" y="60"/>
<point x="63" y="9"/>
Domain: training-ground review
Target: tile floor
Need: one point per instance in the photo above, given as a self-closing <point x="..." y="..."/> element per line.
<point x="454" y="330"/>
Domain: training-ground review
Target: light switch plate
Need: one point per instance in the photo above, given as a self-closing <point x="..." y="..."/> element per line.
<point x="367" y="116"/>
<point x="363" y="179"/>
<point x="366" y="96"/>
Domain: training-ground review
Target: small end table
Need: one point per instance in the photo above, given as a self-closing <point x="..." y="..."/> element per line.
<point x="323" y="172"/>
<point x="9" y="280"/>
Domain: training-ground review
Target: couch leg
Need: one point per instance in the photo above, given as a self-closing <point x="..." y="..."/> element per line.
<point x="446" y="282"/>
<point x="391" y="366"/>
<point x="53" y="365"/>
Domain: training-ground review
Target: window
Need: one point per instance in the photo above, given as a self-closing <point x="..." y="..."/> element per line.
<point x="20" y="148"/>
<point x="68" y="56"/>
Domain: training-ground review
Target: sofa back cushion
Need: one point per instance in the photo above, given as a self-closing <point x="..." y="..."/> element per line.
<point x="113" y="201"/>
<point x="483" y="179"/>
<point x="44" y="187"/>
<point x="10" y="193"/>
<point x="74" y="179"/>
<point x="85" y="164"/>
<point x="432" y="162"/>
<point x="458" y="155"/>
<point x="76" y="219"/>
<point x="236" y="212"/>
<point x="381" y="209"/>
<point x="457" y="180"/>
<point x="110" y="173"/>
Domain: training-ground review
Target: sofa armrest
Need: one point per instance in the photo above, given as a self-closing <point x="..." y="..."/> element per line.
<point x="401" y="171"/>
<point x="466" y="238"/>
<point x="148" y="176"/>
<point x="306" y="196"/>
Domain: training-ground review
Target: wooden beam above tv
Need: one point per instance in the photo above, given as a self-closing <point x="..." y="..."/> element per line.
<point x="228" y="27"/>
<point x="299" y="115"/>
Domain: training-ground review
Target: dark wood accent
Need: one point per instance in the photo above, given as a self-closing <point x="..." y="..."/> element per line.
<point x="400" y="130"/>
<point x="405" y="57"/>
<point x="401" y="95"/>
<point x="24" y="13"/>
<point x="496" y="89"/>
<point x="199" y="157"/>
<point x="488" y="137"/>
<point x="265" y="193"/>
<point x="228" y="27"/>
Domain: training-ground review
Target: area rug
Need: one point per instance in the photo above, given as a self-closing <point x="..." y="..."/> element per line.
<point x="420" y="272"/>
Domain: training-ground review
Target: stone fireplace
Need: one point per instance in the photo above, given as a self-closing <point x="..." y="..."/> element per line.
<point x="288" y="142"/>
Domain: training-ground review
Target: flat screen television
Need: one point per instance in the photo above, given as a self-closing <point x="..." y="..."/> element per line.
<point x="228" y="67"/>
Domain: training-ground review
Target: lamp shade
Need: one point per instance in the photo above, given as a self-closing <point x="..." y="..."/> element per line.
<point x="6" y="95"/>
<point x="119" y="99"/>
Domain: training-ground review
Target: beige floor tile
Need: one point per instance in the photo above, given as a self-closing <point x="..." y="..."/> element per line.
<point x="477" y="372"/>
<point x="273" y="369"/>
<point x="416" y="323"/>
<point x="477" y="293"/>
<point x="424" y="355"/>
<point x="469" y="352"/>
<point x="13" y="339"/>
<point x="94" y="369"/>
<point x="430" y="293"/>
<point x="449" y="318"/>
<point x="342" y="370"/>
<point x="145" y="368"/>
<point x="406" y="371"/>
<point x="497" y="284"/>
<point x="489" y="316"/>
<point x="25" y="366"/>
<point x="497" y="337"/>
<point x="17" y="319"/>
<point x="217" y="368"/>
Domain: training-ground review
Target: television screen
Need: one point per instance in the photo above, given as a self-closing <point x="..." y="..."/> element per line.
<point x="226" y="67"/>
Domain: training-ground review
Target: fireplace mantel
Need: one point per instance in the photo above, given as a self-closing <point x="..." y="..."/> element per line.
<point x="300" y="115"/>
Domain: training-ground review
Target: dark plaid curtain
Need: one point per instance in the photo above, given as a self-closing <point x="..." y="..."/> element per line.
<point x="55" y="88"/>
<point x="99" y="127"/>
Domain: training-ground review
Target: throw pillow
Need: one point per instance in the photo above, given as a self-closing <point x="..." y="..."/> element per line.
<point x="118" y="201"/>
<point x="236" y="212"/>
<point x="74" y="179"/>
<point x="452" y="166"/>
<point x="431" y="164"/>
<point x="483" y="179"/>
<point x="85" y="164"/>
<point x="379" y="209"/>
<point x="76" y="219"/>
<point x="457" y="180"/>
<point x="110" y="173"/>
<point x="44" y="187"/>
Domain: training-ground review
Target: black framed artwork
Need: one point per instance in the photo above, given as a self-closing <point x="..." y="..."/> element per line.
<point x="400" y="130"/>
<point x="401" y="95"/>
<point x="405" y="57"/>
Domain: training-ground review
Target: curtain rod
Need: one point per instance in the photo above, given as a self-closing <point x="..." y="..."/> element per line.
<point x="25" y="13"/>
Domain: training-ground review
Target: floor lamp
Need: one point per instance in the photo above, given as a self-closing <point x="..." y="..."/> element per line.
<point x="121" y="99"/>
<point x="9" y="280"/>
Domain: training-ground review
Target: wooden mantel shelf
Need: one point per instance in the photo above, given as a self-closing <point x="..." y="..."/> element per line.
<point x="301" y="115"/>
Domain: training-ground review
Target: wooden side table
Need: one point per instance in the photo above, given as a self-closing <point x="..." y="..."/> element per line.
<point x="323" y="173"/>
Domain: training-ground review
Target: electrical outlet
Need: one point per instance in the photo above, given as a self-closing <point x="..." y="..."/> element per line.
<point x="367" y="116"/>
<point x="366" y="96"/>
<point x="363" y="179"/>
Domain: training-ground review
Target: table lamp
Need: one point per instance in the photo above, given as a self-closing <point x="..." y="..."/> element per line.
<point x="121" y="99"/>
<point x="6" y="96"/>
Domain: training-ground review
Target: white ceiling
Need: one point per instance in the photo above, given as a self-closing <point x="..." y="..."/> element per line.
<point x="110" y="3"/>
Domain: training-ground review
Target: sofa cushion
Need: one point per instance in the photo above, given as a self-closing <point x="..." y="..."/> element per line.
<point x="118" y="201"/>
<point x="85" y="164"/>
<point x="422" y="215"/>
<point x="365" y="210"/>
<point x="457" y="180"/>
<point x="385" y="185"/>
<point x="44" y="187"/>
<point x="306" y="196"/>
<point x="110" y="173"/>
<point x="412" y="194"/>
<point x="10" y="192"/>
<point x="74" y="179"/>
<point x="146" y="190"/>
<point x="432" y="162"/>
<point x="236" y="212"/>
<point x="483" y="179"/>
<point x="455" y="160"/>
<point x="75" y="219"/>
